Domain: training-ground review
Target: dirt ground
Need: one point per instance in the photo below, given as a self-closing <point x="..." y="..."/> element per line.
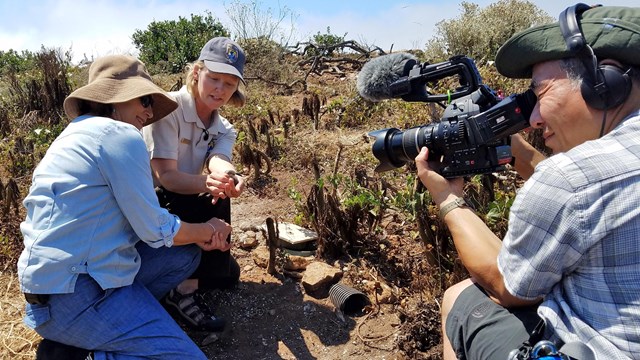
<point x="268" y="317"/>
<point x="273" y="317"/>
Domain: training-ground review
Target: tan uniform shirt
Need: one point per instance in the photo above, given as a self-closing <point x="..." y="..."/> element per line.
<point x="181" y="136"/>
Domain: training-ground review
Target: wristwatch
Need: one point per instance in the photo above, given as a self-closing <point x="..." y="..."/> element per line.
<point x="458" y="202"/>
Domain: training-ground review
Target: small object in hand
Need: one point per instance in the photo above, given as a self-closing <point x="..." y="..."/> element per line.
<point x="234" y="175"/>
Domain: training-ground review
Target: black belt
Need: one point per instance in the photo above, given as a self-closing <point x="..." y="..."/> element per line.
<point x="36" y="299"/>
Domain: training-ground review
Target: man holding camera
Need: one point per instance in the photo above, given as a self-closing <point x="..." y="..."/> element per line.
<point x="571" y="256"/>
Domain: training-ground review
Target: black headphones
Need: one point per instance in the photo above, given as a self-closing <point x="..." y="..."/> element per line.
<point x="603" y="86"/>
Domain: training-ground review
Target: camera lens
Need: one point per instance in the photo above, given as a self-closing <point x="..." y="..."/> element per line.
<point x="394" y="148"/>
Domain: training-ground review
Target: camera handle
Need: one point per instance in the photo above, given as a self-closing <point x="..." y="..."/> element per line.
<point x="413" y="86"/>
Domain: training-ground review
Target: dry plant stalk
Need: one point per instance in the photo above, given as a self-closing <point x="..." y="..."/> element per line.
<point x="272" y="243"/>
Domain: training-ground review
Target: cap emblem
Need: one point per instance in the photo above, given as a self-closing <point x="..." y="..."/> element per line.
<point x="232" y="53"/>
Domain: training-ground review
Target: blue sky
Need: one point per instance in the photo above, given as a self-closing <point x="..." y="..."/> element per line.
<point x="101" y="27"/>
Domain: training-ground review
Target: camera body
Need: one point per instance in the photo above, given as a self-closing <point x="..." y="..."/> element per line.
<point x="473" y="135"/>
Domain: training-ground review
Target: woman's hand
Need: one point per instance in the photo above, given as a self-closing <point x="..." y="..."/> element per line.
<point x="217" y="184"/>
<point x="220" y="233"/>
<point x="224" y="184"/>
<point x="236" y="187"/>
<point x="442" y="190"/>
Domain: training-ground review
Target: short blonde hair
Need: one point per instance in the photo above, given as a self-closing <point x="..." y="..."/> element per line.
<point x="238" y="99"/>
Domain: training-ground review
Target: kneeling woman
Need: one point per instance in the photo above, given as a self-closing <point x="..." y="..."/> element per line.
<point x="96" y="257"/>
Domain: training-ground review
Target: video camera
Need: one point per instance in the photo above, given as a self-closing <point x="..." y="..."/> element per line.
<point x="473" y="135"/>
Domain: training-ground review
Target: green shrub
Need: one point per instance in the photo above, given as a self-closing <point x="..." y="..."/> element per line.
<point x="170" y="45"/>
<point x="478" y="33"/>
<point x="326" y="44"/>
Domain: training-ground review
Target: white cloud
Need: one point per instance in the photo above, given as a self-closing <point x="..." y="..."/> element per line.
<point x="91" y="28"/>
<point x="100" y="27"/>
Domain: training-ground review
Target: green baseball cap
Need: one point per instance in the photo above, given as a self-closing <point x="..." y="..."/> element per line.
<point x="613" y="32"/>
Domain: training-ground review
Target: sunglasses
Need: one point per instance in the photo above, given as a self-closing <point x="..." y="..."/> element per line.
<point x="146" y="101"/>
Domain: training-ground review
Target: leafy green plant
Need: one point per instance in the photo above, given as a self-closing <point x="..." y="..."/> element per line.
<point x="498" y="214"/>
<point x="12" y="61"/>
<point x="300" y="218"/>
<point x="326" y="44"/>
<point x="170" y="45"/>
<point x="363" y="202"/>
<point x="407" y="199"/>
<point x="24" y="150"/>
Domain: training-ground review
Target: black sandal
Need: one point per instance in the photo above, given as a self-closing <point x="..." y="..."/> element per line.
<point x="193" y="312"/>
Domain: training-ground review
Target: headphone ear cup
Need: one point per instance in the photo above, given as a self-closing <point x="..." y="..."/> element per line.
<point x="611" y="88"/>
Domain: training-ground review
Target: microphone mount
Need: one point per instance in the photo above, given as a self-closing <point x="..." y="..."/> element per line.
<point x="412" y="87"/>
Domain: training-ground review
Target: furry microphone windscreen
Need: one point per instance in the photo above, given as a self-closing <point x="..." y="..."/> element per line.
<point x="378" y="74"/>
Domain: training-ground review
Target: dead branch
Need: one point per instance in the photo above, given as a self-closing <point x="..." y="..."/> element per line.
<point x="303" y="48"/>
<point x="272" y="243"/>
<point x="320" y="60"/>
<point x="288" y="86"/>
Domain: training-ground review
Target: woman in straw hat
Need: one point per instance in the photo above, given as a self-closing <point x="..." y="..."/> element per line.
<point x="191" y="161"/>
<point x="99" y="250"/>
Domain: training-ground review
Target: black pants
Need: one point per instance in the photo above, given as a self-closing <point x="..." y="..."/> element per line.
<point x="217" y="269"/>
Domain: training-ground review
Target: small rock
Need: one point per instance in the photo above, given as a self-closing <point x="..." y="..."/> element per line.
<point x="261" y="256"/>
<point x="384" y="293"/>
<point x="247" y="240"/>
<point x="246" y="228"/>
<point x="210" y="339"/>
<point x="318" y="275"/>
<point x="297" y="263"/>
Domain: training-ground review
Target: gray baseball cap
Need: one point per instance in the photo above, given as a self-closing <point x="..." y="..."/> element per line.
<point x="222" y="55"/>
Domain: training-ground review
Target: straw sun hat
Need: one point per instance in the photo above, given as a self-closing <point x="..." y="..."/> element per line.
<point x="117" y="79"/>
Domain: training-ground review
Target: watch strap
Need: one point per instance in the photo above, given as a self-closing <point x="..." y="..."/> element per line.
<point x="458" y="202"/>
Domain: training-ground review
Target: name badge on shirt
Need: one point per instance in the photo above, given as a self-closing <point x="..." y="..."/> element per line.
<point x="185" y="141"/>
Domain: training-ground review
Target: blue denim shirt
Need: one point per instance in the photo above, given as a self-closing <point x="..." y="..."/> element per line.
<point x="90" y="201"/>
